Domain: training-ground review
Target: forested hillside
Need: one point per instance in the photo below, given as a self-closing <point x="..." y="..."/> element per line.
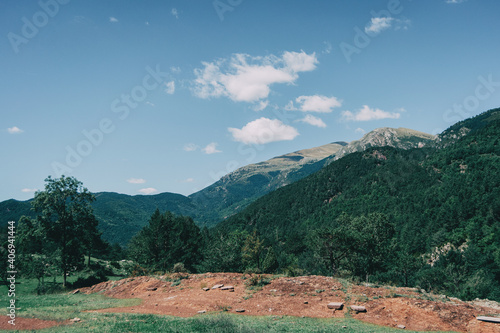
<point x="428" y="217"/>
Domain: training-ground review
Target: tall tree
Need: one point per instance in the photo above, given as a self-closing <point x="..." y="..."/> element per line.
<point x="66" y="219"/>
<point x="165" y="241"/>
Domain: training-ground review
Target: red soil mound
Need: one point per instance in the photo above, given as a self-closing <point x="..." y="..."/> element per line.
<point x="300" y="296"/>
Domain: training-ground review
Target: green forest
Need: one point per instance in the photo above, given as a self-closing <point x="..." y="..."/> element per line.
<point x="427" y="218"/>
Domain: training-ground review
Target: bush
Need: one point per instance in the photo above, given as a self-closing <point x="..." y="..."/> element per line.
<point x="89" y="278"/>
<point x="179" y="268"/>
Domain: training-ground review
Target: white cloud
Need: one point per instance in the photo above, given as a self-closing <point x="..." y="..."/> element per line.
<point x="189" y="180"/>
<point x="175" y="13"/>
<point x="312" y="120"/>
<point x="263" y="130"/>
<point x="261" y="106"/>
<point x="170" y="87"/>
<point x="150" y="104"/>
<point x="190" y="147"/>
<point x="29" y="190"/>
<point x="379" y="24"/>
<point x="366" y="114"/>
<point x="14" y="130"/>
<point x="244" y="78"/>
<point x="148" y="190"/>
<point x="359" y="130"/>
<point x="211" y="148"/>
<point x="455" y="1"/>
<point x="316" y="103"/>
<point x="113" y="19"/>
<point x="300" y="61"/>
<point x="136" y="181"/>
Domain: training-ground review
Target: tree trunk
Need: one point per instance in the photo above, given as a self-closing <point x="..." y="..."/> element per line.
<point x="64" y="279"/>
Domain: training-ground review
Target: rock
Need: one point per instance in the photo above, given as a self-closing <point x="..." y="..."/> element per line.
<point x="75" y="320"/>
<point x="227" y="288"/>
<point x="217" y="286"/>
<point x="240" y="310"/>
<point x="489" y="319"/>
<point x="202" y="311"/>
<point x="344" y="326"/>
<point x="401" y="327"/>
<point x="151" y="289"/>
<point x="273" y="290"/>
<point x="306" y="302"/>
<point x="335" y="305"/>
<point x="206" y="289"/>
<point x="358" y="308"/>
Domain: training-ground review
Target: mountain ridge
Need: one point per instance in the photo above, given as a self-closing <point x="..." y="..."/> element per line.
<point x="227" y="196"/>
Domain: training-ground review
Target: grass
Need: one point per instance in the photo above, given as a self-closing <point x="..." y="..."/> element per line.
<point x="63" y="306"/>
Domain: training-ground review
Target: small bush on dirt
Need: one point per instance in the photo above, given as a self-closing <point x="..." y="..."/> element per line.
<point x="179" y="268"/>
<point x="258" y="281"/>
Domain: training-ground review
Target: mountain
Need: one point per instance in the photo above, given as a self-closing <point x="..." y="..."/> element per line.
<point x="236" y="190"/>
<point x="402" y="138"/>
<point x="442" y="201"/>
<point x="121" y="216"/>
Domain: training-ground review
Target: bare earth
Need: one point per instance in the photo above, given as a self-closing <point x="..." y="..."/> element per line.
<point x="27" y="323"/>
<point x="299" y="296"/>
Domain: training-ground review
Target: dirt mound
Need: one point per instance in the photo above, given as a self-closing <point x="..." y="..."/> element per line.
<point x="307" y="296"/>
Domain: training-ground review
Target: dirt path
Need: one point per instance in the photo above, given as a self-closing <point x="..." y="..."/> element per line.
<point x="26" y="323"/>
<point x="301" y="296"/>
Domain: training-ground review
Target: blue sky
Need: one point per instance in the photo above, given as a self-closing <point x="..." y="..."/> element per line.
<point x="143" y="97"/>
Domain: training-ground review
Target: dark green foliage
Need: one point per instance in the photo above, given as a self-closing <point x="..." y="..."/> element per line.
<point x="65" y="226"/>
<point x="222" y="251"/>
<point x="165" y="241"/>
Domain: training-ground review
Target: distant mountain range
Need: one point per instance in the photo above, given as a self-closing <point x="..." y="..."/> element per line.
<point x="121" y="216"/>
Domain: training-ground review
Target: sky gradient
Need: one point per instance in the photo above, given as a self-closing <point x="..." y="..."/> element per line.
<point x="168" y="96"/>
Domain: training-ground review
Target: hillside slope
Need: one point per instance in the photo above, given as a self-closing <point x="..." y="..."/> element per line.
<point x="439" y="201"/>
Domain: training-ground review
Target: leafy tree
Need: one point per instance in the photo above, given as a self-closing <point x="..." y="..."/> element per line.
<point x="252" y="251"/>
<point x="65" y="221"/>
<point x="222" y="251"/>
<point x="165" y="241"/>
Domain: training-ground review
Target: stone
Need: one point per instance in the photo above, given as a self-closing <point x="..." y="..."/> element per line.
<point x="227" y="288"/>
<point x="402" y="327"/>
<point x="202" y="311"/>
<point x="358" y="308"/>
<point x="306" y="302"/>
<point x="217" y="286"/>
<point x="489" y="319"/>
<point x="151" y="289"/>
<point x="240" y="310"/>
<point x="335" y="305"/>
<point x="206" y="289"/>
<point x="75" y="320"/>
